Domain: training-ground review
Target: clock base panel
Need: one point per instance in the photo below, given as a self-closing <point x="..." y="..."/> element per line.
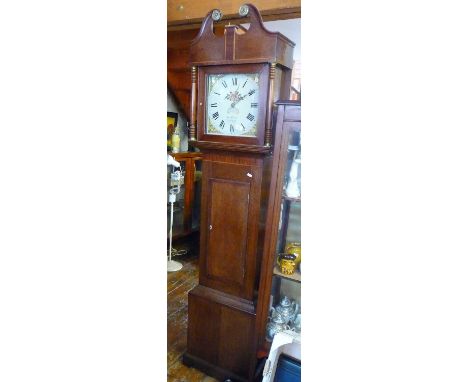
<point x="220" y="335"/>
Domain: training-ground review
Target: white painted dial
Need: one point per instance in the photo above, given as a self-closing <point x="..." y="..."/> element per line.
<point x="232" y="104"/>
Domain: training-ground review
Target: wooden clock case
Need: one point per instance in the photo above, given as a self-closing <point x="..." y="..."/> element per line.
<point x="236" y="194"/>
<point x="203" y="72"/>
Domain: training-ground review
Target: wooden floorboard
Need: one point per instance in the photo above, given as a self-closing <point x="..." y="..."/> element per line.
<point x="178" y="285"/>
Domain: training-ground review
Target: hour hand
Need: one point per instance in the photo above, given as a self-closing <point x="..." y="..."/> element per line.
<point x="240" y="99"/>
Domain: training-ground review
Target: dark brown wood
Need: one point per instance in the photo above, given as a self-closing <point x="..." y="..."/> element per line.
<point x="193" y="104"/>
<point x="219" y="297"/>
<point x="238" y="51"/>
<point x="189" y="183"/>
<point x="229" y="40"/>
<point x="264" y="207"/>
<point x="208" y="49"/>
<point x="237" y="181"/>
<point x="222" y="146"/>
<point x="228" y="240"/>
<point x="262" y="70"/>
<point x="203" y="328"/>
<point x="271" y="89"/>
<point x="220" y="337"/>
<point x="215" y="371"/>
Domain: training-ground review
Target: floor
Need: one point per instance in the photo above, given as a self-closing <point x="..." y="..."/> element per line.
<point x="178" y="285"/>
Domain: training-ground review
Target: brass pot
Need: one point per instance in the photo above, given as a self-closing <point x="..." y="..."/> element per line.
<point x="287" y="263"/>
<point x="294" y="249"/>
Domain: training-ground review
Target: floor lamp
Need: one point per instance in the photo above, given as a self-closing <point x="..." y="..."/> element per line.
<point x="173" y="266"/>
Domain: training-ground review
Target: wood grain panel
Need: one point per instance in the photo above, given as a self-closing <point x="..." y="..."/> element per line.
<point x="203" y="328"/>
<point x="220" y="338"/>
<point x="228" y="232"/>
<point x="240" y="158"/>
<point x="228" y="250"/>
<point x="235" y="355"/>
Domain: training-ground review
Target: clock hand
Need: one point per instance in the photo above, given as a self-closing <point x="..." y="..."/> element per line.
<point x="240" y="99"/>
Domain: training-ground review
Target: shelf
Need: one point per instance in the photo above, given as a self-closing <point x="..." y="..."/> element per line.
<point x="296" y="276"/>
<point x="291" y="199"/>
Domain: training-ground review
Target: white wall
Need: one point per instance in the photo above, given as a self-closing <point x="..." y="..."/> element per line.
<point x="291" y="29"/>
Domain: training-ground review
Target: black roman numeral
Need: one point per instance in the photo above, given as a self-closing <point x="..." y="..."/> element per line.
<point x="243" y="126"/>
<point x="250" y="117"/>
<point x="224" y="84"/>
<point x="234" y="81"/>
<point x="254" y="104"/>
<point x="222" y="124"/>
<point x="231" y="128"/>
<point x="216" y="115"/>
<point x="214" y="104"/>
<point x="244" y="83"/>
<point x="251" y="92"/>
<point x="216" y="93"/>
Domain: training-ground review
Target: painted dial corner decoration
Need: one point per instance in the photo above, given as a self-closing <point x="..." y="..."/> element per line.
<point x="232" y="104"/>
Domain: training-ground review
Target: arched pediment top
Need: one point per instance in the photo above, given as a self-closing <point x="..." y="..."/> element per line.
<point x="240" y="45"/>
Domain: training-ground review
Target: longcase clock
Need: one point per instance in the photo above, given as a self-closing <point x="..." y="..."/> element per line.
<point x="236" y="78"/>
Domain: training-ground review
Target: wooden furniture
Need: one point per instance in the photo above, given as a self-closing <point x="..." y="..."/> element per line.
<point x="237" y="185"/>
<point x="187" y="206"/>
<point x="283" y="222"/>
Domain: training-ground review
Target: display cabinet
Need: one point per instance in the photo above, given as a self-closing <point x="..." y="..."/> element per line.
<point x="279" y="298"/>
<point x="187" y="204"/>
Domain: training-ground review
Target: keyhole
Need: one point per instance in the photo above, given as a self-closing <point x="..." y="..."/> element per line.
<point x="249" y="174"/>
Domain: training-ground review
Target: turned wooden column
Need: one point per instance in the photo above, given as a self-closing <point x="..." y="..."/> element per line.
<point x="271" y="89"/>
<point x="193" y="105"/>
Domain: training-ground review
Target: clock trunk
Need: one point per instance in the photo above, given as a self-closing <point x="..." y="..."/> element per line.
<point x="234" y="205"/>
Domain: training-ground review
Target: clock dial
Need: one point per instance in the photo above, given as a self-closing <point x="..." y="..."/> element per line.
<point x="232" y="104"/>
